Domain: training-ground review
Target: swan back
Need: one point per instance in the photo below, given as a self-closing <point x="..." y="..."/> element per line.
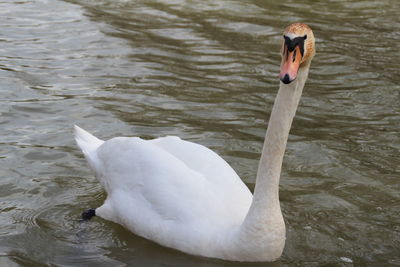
<point x="174" y="192"/>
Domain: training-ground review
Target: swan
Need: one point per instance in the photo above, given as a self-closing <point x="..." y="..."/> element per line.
<point x="184" y="196"/>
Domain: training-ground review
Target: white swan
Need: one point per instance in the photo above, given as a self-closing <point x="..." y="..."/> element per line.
<point x="184" y="196"/>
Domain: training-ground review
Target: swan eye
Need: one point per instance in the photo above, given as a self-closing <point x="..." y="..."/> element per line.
<point x="305" y="37"/>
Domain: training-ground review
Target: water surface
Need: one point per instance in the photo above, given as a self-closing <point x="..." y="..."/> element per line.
<point x="207" y="72"/>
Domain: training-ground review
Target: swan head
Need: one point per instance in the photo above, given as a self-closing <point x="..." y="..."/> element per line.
<point x="298" y="49"/>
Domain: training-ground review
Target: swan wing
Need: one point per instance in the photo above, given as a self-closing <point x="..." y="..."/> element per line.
<point x="161" y="187"/>
<point x="202" y="160"/>
<point x="221" y="178"/>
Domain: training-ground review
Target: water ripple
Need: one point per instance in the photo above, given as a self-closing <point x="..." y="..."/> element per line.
<point x="206" y="71"/>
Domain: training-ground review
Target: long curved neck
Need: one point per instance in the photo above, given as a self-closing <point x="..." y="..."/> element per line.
<point x="265" y="209"/>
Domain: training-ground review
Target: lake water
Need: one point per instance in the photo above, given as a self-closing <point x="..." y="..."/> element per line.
<point x="207" y="72"/>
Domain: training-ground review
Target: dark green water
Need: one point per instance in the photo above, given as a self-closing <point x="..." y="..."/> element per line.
<point x="206" y="71"/>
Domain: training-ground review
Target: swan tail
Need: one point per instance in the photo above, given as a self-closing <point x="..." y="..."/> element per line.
<point x="87" y="142"/>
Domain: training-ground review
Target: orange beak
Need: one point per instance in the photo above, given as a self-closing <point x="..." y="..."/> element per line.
<point x="290" y="65"/>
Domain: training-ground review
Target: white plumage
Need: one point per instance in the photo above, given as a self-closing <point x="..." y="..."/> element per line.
<point x="174" y="192"/>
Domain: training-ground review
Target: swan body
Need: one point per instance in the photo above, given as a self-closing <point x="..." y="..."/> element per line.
<point x="184" y="196"/>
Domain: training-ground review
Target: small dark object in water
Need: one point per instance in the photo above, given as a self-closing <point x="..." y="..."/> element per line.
<point x="88" y="214"/>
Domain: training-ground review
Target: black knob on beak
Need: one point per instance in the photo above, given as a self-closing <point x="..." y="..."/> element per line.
<point x="286" y="79"/>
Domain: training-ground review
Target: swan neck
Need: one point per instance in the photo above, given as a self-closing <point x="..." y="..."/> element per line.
<point x="265" y="209"/>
